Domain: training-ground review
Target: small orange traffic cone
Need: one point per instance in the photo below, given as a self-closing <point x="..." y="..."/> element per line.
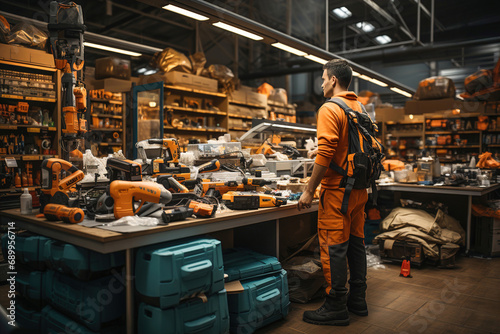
<point x="405" y="269"/>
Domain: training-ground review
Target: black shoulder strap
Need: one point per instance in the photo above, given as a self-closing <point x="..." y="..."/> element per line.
<point x="338" y="101"/>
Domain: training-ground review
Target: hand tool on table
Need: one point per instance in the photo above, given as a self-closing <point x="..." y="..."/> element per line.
<point x="54" y="212"/>
<point x="236" y="200"/>
<point x="126" y="193"/>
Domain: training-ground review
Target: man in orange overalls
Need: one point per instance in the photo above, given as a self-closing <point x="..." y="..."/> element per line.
<point x="341" y="237"/>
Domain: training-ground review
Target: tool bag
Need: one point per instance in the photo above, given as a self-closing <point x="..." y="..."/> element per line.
<point x="435" y="88"/>
<point x="364" y="156"/>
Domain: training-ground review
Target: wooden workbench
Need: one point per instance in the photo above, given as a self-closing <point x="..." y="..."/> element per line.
<point x="265" y="235"/>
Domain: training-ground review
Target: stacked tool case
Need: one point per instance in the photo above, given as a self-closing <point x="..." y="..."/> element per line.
<point x="181" y="286"/>
<point x="62" y="287"/>
<point x="265" y="297"/>
<point x="30" y="267"/>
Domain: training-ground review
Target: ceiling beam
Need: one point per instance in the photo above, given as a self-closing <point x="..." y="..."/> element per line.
<point x="271" y="35"/>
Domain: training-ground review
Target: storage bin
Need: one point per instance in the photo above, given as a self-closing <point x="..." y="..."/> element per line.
<point x="92" y="303"/>
<point x="190" y="316"/>
<point x="169" y="272"/>
<point x="54" y="322"/>
<point x="29" y="284"/>
<point x="27" y="317"/>
<point x="372" y="228"/>
<point x="240" y="263"/>
<point x="80" y="262"/>
<point x="263" y="301"/>
<point x="28" y="248"/>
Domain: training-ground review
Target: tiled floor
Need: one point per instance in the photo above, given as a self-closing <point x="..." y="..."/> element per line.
<point x="461" y="300"/>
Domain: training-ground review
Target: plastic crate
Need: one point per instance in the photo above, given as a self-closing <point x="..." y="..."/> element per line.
<point x="190" y="316"/>
<point x="93" y="303"/>
<point x="29" y="249"/>
<point x="29" y="284"/>
<point x="240" y="263"/>
<point x="263" y="301"/>
<point x="54" y="322"/>
<point x="80" y="262"/>
<point x="372" y="229"/>
<point x="27" y="317"/>
<point x="169" y="272"/>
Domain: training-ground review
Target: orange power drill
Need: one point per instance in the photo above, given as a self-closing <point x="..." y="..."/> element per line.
<point x="54" y="212"/>
<point x="126" y="193"/>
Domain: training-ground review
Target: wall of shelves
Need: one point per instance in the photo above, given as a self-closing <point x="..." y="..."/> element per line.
<point x="30" y="125"/>
<point x="106" y="122"/>
<point x="453" y="138"/>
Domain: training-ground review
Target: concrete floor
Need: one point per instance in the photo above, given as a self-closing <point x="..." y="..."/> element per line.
<point x="461" y="300"/>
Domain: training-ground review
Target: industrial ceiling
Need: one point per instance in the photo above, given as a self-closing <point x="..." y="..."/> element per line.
<point x="462" y="37"/>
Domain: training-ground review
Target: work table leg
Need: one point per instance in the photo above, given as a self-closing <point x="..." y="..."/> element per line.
<point x="129" y="272"/>
<point x="469" y="222"/>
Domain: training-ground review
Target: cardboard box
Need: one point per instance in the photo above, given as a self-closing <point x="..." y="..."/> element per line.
<point x="113" y="85"/>
<point x="191" y="81"/>
<point x="389" y="114"/>
<point x="238" y="96"/>
<point x="257" y="98"/>
<point x="112" y="67"/>
<point x="26" y="55"/>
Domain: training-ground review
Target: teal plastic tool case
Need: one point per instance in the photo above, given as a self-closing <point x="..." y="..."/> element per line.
<point x="81" y="262"/>
<point x="190" y="316"/>
<point x="28" y="248"/>
<point x="170" y="272"/>
<point x="265" y="297"/>
<point x="94" y="303"/>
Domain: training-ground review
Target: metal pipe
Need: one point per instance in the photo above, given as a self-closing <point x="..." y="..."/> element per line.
<point x="375" y="47"/>
<point x="432" y="21"/>
<point x="418" y="21"/>
<point x="327" y="27"/>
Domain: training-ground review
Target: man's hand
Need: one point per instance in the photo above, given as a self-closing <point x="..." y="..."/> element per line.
<point x="312" y="154"/>
<point x="305" y="200"/>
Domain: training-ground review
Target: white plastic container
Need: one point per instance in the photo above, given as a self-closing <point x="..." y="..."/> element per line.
<point x="26" y="203"/>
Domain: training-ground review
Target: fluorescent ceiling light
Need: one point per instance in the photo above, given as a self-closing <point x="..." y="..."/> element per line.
<point x="109" y="48"/>
<point x="238" y="31"/>
<point x="365" y="26"/>
<point x="141" y="70"/>
<point x="400" y="91"/>
<point x="355" y="74"/>
<point x="378" y="82"/>
<point x="342" y="12"/>
<point x="150" y="72"/>
<point x="365" y="77"/>
<point x="289" y="49"/>
<point x="383" y="39"/>
<point x="372" y="80"/>
<point x="317" y="59"/>
<point x="185" y="12"/>
<point x="290" y="127"/>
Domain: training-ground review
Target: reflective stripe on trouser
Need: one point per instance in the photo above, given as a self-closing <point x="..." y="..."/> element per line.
<point x="334" y="230"/>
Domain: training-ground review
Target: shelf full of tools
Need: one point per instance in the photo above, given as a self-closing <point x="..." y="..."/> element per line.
<point x="29" y="126"/>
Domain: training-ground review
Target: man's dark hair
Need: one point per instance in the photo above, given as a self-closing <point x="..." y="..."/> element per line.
<point x="341" y="70"/>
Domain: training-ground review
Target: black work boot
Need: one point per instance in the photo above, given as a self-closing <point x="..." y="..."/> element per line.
<point x="333" y="312"/>
<point x="356" y="255"/>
